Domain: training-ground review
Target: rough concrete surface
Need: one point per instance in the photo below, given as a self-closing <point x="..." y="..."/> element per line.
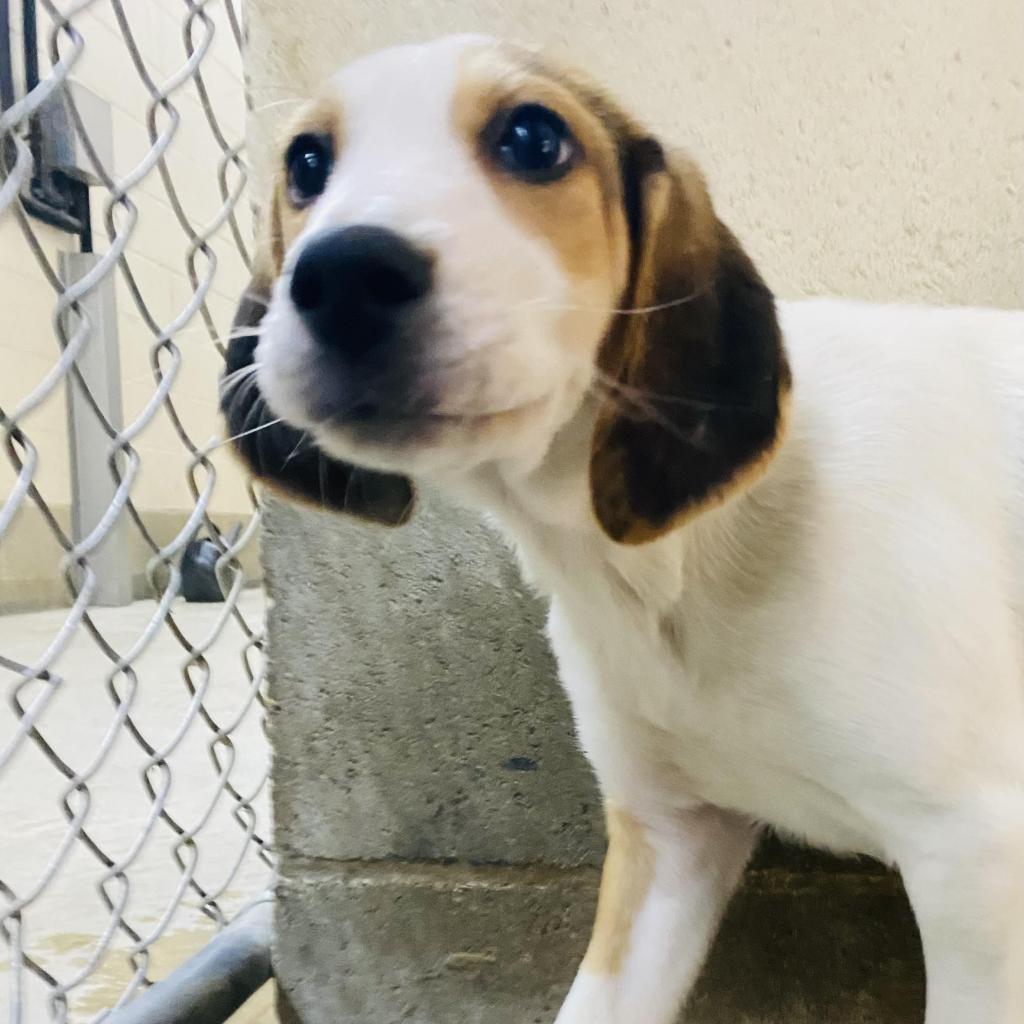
<point x="437" y="944"/>
<point x="419" y="716"/>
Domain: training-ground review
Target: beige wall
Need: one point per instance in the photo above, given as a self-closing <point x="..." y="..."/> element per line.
<point x="871" y="149"/>
<point x="28" y="557"/>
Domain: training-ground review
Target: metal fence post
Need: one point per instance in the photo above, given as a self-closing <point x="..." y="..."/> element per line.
<point x="92" y="484"/>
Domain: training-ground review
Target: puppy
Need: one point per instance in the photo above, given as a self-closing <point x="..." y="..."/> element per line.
<point x="783" y="543"/>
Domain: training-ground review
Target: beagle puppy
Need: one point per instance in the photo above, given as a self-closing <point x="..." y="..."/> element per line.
<point x="783" y="543"/>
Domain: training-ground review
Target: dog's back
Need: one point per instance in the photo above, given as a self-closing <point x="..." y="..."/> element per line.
<point x="913" y="407"/>
<point x="876" y="574"/>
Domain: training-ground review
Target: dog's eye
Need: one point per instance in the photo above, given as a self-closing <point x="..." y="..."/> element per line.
<point x="308" y="162"/>
<point x="535" y="143"/>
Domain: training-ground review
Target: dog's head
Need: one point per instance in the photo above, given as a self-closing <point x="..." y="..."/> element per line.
<point x="468" y="249"/>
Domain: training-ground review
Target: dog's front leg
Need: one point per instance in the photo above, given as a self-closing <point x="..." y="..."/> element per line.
<point x="964" y="873"/>
<point x="664" y="888"/>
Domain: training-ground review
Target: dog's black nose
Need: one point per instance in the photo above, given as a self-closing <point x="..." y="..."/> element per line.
<point x="350" y="285"/>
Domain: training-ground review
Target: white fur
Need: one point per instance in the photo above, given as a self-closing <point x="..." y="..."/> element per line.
<point x="835" y="652"/>
<point x="698" y="857"/>
<point x="883" y="546"/>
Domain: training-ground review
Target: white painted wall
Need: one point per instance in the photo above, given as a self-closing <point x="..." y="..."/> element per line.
<point x="871" y="149"/>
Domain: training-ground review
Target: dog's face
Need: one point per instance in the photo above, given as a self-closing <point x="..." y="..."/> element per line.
<point x="453" y="232"/>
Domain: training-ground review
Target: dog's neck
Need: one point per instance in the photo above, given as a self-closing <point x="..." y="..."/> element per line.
<point x="737" y="551"/>
<point x="547" y="515"/>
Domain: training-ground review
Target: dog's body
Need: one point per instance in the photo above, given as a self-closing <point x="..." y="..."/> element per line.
<point x="853" y="619"/>
<point x="837" y="652"/>
<point x="815" y="623"/>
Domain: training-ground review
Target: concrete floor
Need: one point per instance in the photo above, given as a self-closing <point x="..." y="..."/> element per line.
<point x="61" y="927"/>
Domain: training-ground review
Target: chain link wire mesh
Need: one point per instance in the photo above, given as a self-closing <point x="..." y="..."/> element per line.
<point x="133" y="767"/>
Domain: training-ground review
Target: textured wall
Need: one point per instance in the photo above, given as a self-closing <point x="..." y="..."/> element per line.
<point x="418" y="717"/>
<point x="872" y="150"/>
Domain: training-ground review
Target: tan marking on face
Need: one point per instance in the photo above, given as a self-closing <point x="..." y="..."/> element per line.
<point x="323" y="115"/>
<point x="581" y="214"/>
<point x="625" y="882"/>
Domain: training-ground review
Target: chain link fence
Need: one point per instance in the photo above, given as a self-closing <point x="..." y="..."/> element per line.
<point x="133" y="765"/>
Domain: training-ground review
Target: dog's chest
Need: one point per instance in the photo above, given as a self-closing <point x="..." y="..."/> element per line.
<point x="665" y="727"/>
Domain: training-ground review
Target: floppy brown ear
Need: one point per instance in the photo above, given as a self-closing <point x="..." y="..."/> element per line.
<point x="698" y="383"/>
<point x="283" y="457"/>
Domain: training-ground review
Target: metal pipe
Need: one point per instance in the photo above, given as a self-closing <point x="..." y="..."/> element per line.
<point x="30" y="43"/>
<point x="6" y="67"/>
<point x="214" y="983"/>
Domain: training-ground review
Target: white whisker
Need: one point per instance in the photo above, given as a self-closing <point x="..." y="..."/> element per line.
<point x="658" y="307"/>
<point x="245" y="433"/>
<point x="241" y="332"/>
<point x="237" y="394"/>
<point x="236" y="377"/>
<point x="242" y="395"/>
<point x="616" y="391"/>
<point x="295" y="450"/>
<point x="633" y="393"/>
<point x="260" y="298"/>
<point x="277" y="103"/>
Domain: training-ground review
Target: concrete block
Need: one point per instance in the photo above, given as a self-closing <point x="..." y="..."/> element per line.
<point x="419" y="944"/>
<point x="418" y="712"/>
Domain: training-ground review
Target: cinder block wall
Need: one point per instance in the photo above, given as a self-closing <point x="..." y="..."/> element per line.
<point x="439" y="832"/>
